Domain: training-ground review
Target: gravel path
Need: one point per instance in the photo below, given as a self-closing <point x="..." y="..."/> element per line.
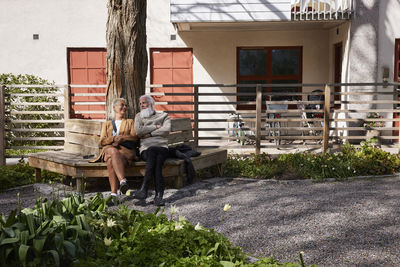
<point x="352" y="223"/>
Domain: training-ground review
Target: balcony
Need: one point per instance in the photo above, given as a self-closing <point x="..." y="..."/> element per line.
<point x="203" y="14"/>
<point x="321" y="9"/>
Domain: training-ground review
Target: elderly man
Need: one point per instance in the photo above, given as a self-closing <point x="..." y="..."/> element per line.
<point x="152" y="128"/>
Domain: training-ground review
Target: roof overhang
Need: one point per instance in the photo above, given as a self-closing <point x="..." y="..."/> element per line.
<point x="258" y="26"/>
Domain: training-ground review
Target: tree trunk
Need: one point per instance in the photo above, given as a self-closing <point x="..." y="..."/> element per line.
<point x="126" y="53"/>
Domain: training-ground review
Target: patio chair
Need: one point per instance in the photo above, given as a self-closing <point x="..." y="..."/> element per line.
<point x="275" y="126"/>
<point x="311" y="115"/>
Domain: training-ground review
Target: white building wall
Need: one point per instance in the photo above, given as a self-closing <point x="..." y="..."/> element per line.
<point x="60" y="24"/>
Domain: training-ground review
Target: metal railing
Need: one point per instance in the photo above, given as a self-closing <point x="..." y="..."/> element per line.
<point x="321" y="9"/>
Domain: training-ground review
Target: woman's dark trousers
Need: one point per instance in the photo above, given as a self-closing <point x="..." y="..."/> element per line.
<point x="155" y="157"/>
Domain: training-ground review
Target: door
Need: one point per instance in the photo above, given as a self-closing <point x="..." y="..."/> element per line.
<point x="397" y="79"/>
<point x="172" y="66"/>
<point x="338" y="70"/>
<point x="87" y="66"/>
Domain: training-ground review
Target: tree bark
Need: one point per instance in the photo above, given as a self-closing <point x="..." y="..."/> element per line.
<point x="126" y="53"/>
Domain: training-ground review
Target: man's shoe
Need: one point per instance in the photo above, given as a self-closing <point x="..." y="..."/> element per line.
<point x="141" y="194"/>
<point x="123" y="187"/>
<point x="158" y="200"/>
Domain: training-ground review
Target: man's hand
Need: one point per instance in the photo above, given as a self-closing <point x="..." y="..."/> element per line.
<point x="158" y="126"/>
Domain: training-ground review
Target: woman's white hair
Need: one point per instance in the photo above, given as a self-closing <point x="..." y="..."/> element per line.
<point x="149" y="99"/>
<point x="115" y="103"/>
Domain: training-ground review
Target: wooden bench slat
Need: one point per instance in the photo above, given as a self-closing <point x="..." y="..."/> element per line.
<point x="52" y="166"/>
<point x="83" y="126"/>
<point x="82" y="139"/>
<point x="181" y="124"/>
<point x="179" y="137"/>
<point x="83" y="150"/>
<point x="78" y="160"/>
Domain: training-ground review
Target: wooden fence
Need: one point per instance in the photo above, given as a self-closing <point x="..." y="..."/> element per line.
<point x="343" y="110"/>
<point x="273" y="116"/>
<point x="32" y="116"/>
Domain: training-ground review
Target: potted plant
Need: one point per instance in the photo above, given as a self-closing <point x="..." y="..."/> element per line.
<point x="371" y="126"/>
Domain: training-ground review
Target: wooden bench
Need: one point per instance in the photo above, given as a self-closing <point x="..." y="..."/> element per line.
<point x="82" y="140"/>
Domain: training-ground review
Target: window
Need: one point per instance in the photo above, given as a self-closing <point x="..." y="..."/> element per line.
<point x="268" y="65"/>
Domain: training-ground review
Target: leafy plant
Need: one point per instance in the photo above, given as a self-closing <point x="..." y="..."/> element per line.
<point x="22" y="174"/>
<point x="15" y="175"/>
<point x="376" y="123"/>
<point x="75" y="232"/>
<point x="350" y="161"/>
<point x="53" y="233"/>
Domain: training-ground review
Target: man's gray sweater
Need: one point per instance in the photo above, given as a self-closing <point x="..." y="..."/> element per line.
<point x="159" y="137"/>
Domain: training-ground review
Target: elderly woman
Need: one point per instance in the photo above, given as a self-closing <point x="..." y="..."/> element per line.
<point x="153" y="129"/>
<point x="119" y="141"/>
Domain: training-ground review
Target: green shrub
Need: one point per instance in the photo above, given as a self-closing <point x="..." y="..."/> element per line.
<point x="350" y="161"/>
<point x="139" y="239"/>
<point x="22" y="174"/>
<point x="15" y="175"/>
<point x="256" y="166"/>
<point x="22" y="152"/>
<point x="54" y="233"/>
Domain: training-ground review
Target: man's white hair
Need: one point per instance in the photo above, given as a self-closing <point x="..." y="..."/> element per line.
<point x="149" y="99"/>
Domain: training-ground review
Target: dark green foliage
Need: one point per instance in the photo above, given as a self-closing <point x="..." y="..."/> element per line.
<point x="140" y="239"/>
<point x="15" y="175"/>
<point x="22" y="174"/>
<point x="255" y="166"/>
<point x="350" y="161"/>
<point x="22" y="152"/>
<point x="54" y="233"/>
<point x="75" y="232"/>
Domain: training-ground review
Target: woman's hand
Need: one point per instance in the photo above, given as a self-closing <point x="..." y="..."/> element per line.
<point x="116" y="140"/>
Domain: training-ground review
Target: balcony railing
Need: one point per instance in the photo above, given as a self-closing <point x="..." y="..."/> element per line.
<point x="321" y="9"/>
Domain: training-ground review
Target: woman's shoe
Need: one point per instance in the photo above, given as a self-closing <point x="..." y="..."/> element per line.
<point x="123" y="187"/>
